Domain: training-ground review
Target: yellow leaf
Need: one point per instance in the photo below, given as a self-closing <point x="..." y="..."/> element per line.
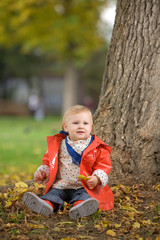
<point x="5" y="195"/>
<point x="10" y="225"/>
<point x="35" y="226"/>
<point x="21" y="185"/>
<point x="157" y="187"/>
<point x="147" y="222"/>
<point x="105" y="223"/>
<point x="79" y="225"/>
<point x="83" y="177"/>
<point x="129" y="208"/>
<point x="38" y="185"/>
<point x="117" y="225"/>
<point x="8" y="204"/>
<point x="111" y="233"/>
<point x="98" y="226"/>
<point x="131" y="215"/>
<point x="65" y="223"/>
<point x="136" y="225"/>
<point x="128" y="199"/>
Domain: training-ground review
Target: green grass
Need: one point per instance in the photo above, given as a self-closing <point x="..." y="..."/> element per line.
<point x="23" y="142"/>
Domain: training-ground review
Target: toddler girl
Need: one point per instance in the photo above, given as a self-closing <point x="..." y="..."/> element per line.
<point x="73" y="152"/>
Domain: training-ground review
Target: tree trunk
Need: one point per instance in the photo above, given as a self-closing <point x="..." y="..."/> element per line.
<point x="70" y="87"/>
<point x="128" y="114"/>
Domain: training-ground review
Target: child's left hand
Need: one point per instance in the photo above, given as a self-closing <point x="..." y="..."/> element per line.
<point x="93" y="182"/>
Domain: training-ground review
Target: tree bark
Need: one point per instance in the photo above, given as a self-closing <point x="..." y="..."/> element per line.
<point x="128" y="114"/>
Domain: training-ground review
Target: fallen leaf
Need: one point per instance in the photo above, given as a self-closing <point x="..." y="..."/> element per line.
<point x="65" y="223"/>
<point x="117" y="225"/>
<point x="131" y="215"/>
<point x="129" y="208"/>
<point x="21" y="185"/>
<point x="38" y="185"/>
<point x="157" y="188"/>
<point x="10" y="225"/>
<point x="105" y="223"/>
<point x="8" y="204"/>
<point x="146" y="222"/>
<point x="111" y="233"/>
<point x="98" y="226"/>
<point x="35" y="226"/>
<point x="136" y="225"/>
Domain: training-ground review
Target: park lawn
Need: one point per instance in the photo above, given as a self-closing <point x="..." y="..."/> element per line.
<point x="136" y="213"/>
<point x="23" y="143"/>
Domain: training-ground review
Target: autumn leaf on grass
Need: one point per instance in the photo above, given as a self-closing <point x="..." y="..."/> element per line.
<point x="111" y="233"/>
<point x="117" y="225"/>
<point x="102" y="225"/>
<point x="105" y="223"/>
<point x="20" y="187"/>
<point x="35" y="226"/>
<point x="157" y="188"/>
<point x="136" y="225"/>
<point x="4" y="195"/>
<point x="11" y="199"/>
<point x="10" y="225"/>
<point x="83" y="177"/>
<point x="64" y="223"/>
<point x="146" y="222"/>
<point x="131" y="215"/>
<point x="38" y="185"/>
<point x="129" y="208"/>
<point x="8" y="204"/>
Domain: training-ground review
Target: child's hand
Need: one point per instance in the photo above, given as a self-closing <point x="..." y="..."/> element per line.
<point x="93" y="182"/>
<point x="41" y="177"/>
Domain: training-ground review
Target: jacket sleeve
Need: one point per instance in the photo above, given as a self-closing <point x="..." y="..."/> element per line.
<point x="45" y="159"/>
<point x="103" y="161"/>
<point x="103" y="177"/>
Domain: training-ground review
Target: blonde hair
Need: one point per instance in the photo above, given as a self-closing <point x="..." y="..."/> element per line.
<point x="73" y="110"/>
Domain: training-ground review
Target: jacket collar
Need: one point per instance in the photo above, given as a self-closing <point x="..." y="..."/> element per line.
<point x="96" y="142"/>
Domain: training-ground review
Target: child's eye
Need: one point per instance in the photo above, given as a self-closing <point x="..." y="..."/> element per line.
<point x="75" y="122"/>
<point x="85" y="123"/>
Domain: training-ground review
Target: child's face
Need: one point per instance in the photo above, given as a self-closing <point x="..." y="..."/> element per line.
<point x="78" y="126"/>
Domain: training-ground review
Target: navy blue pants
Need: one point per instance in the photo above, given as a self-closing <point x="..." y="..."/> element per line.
<point x="59" y="196"/>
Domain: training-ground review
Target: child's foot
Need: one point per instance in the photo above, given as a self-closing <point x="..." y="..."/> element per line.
<point x="36" y="204"/>
<point x="86" y="208"/>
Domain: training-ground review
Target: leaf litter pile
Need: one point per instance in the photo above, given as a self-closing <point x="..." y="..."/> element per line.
<point x="136" y="215"/>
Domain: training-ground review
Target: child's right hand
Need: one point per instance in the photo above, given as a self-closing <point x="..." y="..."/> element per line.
<point x="41" y="177"/>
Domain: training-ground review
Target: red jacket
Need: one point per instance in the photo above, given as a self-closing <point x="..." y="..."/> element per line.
<point x="96" y="156"/>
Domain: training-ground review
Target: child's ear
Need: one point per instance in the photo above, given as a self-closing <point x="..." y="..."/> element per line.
<point x="65" y="127"/>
